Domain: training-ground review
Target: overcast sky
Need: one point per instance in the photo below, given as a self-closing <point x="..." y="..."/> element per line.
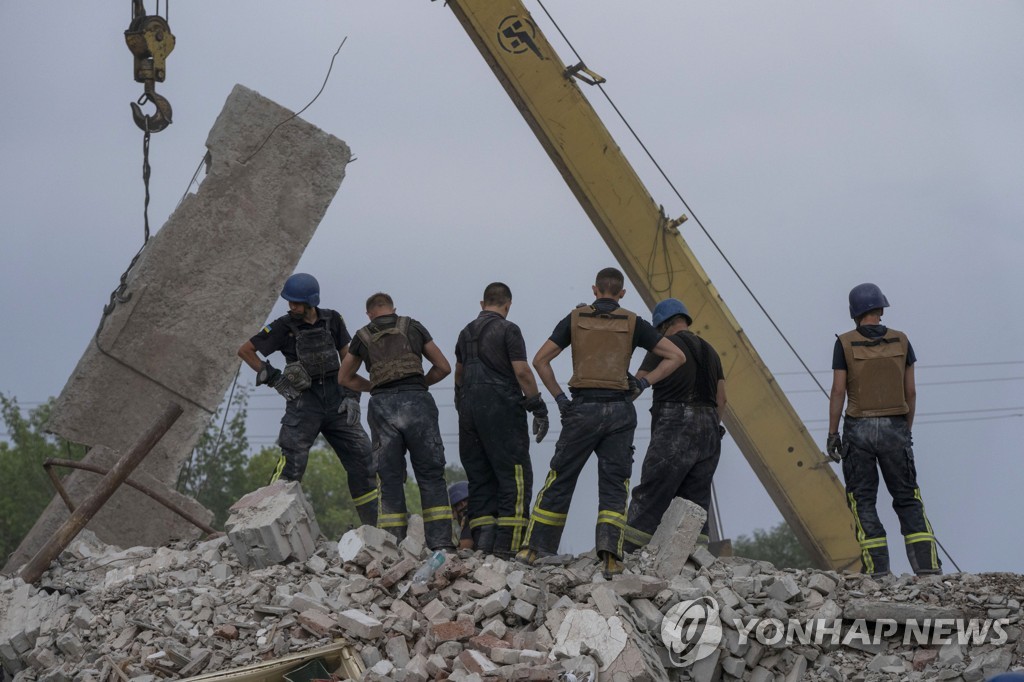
<point x="822" y="145"/>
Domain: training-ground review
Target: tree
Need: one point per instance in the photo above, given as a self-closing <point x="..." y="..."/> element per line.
<point x="778" y="545"/>
<point x="27" y="489"/>
<point x="215" y="473"/>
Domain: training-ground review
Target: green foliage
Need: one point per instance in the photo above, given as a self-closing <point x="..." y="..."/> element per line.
<point x="778" y="545"/>
<point x="26" y="488"/>
<point x="215" y="473"/>
<point x="325" y="485"/>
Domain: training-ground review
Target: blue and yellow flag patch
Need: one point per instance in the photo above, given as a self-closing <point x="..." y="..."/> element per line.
<point x="266" y="329"/>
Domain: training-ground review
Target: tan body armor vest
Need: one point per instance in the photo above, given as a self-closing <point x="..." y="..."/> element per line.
<point x="602" y="344"/>
<point x="875" y="369"/>
<point x="390" y="353"/>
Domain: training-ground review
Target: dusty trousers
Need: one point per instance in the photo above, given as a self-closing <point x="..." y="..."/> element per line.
<point x="681" y="461"/>
<point x="873" y="444"/>
<point x="315" y="411"/>
<point x="400" y="422"/>
<point x="494" y="446"/>
<point x="601" y="426"/>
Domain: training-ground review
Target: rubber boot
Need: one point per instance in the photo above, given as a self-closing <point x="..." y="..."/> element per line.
<point x="610" y="565"/>
<point x="526" y="556"/>
<point x="483" y="538"/>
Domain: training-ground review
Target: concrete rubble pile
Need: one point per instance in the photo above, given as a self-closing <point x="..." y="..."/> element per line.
<point x="102" y="613"/>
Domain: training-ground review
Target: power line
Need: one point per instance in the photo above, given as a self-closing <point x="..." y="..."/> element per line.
<point x="679" y="195"/>
<point x="932" y="383"/>
<point x="919" y="366"/>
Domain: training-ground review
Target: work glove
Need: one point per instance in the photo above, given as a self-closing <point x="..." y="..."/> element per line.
<point x="637" y="386"/>
<point x="564" y="404"/>
<point x="274" y="378"/>
<point x="834" y="447"/>
<point x="536" y="406"/>
<point x="349" y="408"/>
<point x="458" y="398"/>
<point x="268" y="375"/>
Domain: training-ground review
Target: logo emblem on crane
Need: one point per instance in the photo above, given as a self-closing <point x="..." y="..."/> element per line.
<point x="516" y="34"/>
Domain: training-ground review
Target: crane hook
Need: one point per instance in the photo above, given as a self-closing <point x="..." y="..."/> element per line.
<point x="150" y="40"/>
<point x="157" y="121"/>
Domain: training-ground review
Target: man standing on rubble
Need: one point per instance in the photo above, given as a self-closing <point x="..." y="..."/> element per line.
<point x="599" y="418"/>
<point x="311" y="340"/>
<point x="686" y="430"/>
<point x="402" y="416"/>
<point x="873" y="374"/>
<point x="494" y="389"/>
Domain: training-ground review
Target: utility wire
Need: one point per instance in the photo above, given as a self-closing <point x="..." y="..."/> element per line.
<point x="678" y="194"/>
<point x="308" y="105"/>
<point x="918" y="366"/>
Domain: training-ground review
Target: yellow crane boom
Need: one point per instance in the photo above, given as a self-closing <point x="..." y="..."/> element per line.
<point x="657" y="259"/>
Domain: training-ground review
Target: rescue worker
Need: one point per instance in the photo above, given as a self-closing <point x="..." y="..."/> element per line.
<point x="458" y="495"/>
<point x="599" y="418"/>
<point x="873" y="374"/>
<point x="402" y="416"/>
<point x="494" y="389"/>
<point x="312" y="339"/>
<point x="686" y="430"/>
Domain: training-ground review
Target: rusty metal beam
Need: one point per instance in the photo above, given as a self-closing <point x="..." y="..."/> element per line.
<point x="35" y="568"/>
<point x="141" y="487"/>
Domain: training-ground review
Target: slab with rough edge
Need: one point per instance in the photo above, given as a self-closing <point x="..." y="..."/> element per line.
<point x="227" y="247"/>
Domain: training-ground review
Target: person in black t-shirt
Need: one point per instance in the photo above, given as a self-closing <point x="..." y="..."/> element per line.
<point x="313" y="340"/>
<point x="600" y="417"/>
<point x="494" y="389"/>
<point x="686" y="435"/>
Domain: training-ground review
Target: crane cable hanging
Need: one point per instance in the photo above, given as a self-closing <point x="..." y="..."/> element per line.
<point x="714" y="243"/>
<point x="150" y="40"/>
<point x="679" y="195"/>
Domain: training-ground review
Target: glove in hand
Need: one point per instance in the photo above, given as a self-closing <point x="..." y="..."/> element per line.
<point x="349" y="408"/>
<point x="637" y="386"/>
<point x="268" y="375"/>
<point x="540" y="425"/>
<point x="834" y="447"/>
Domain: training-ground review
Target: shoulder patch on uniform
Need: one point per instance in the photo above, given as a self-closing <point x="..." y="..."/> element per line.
<point x="266" y="329"/>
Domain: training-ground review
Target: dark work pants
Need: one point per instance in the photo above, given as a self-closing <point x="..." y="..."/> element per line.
<point x="494" y="446"/>
<point x="315" y="411"/>
<point x="406" y="421"/>
<point x="605" y="428"/>
<point x="883" y="443"/>
<point x="680" y="462"/>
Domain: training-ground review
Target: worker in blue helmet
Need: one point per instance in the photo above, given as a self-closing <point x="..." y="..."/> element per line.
<point x="686" y="431"/>
<point x="458" y="494"/>
<point x="873" y="376"/>
<point x="313" y="340"/>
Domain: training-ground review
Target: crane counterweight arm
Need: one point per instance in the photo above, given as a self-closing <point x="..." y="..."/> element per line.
<point x="657" y="259"/>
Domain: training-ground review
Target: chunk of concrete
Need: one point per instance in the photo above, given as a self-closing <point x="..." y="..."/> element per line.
<point x="157" y="346"/>
<point x="676" y="537"/>
<point x="272" y="524"/>
<point x="357" y="623"/>
<point x="364" y="544"/>
<point x="872" y="610"/>
<point x="588" y="632"/>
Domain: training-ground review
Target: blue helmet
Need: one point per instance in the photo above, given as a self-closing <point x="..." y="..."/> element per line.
<point x="302" y="288"/>
<point x="865" y="297"/>
<point x="668" y="309"/>
<point x="458" y="491"/>
<point x="1008" y="677"/>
